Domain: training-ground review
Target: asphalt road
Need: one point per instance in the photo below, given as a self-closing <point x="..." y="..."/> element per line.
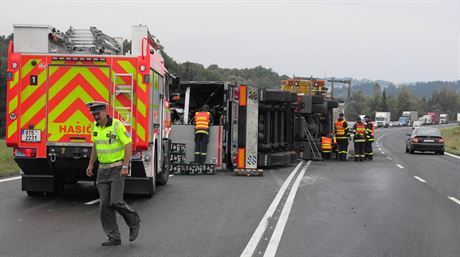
<point x="326" y="208"/>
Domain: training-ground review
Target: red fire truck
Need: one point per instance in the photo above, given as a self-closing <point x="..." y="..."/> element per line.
<point x="53" y="74"/>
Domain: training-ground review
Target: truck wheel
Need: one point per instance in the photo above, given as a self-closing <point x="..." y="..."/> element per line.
<point x="411" y="150"/>
<point x="164" y="175"/>
<point x="317" y="99"/>
<point x="317" y="108"/>
<point x="33" y="193"/>
<point x="153" y="169"/>
<point x="441" y="152"/>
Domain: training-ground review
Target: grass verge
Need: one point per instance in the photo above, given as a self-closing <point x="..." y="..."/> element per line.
<point x="8" y="166"/>
<point x="452" y="139"/>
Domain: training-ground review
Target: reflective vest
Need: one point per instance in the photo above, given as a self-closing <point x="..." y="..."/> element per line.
<point x="360" y="133"/>
<point x="340" y="130"/>
<point x="202" y="120"/>
<point x="110" y="141"/>
<point x="370" y="132"/>
<point x="326" y="144"/>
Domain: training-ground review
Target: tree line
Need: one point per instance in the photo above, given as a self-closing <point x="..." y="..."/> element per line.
<point x="442" y="100"/>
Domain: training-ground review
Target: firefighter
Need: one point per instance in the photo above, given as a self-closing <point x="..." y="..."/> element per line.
<point x="359" y="138"/>
<point x="203" y="120"/>
<point x="368" y="151"/>
<point x="326" y="147"/>
<point x="342" y="134"/>
<point x="112" y="148"/>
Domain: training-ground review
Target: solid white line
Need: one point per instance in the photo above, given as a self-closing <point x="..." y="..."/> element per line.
<point x="453" y="155"/>
<point x="383" y="152"/>
<point x="420" y="179"/>
<point x="171" y="175"/>
<point x="279" y="229"/>
<point x="260" y="230"/>
<point x="10" y="179"/>
<point x="93" y="202"/>
<point x="454" y="199"/>
<point x="389" y="158"/>
<point x="400" y="166"/>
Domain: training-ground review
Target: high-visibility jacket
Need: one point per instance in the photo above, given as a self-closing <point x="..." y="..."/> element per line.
<point x="370" y="132"/>
<point x="341" y="129"/>
<point x="202" y="120"/>
<point x="326" y="144"/>
<point x="110" y="141"/>
<point x="360" y="133"/>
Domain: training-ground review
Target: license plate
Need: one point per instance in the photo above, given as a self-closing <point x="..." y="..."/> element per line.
<point x="31" y="135"/>
<point x="429" y="141"/>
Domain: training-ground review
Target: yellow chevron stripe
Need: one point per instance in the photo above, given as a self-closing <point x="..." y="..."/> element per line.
<point x="15" y="80"/>
<point x="41" y="124"/>
<point x="140" y="82"/>
<point x="141" y="107"/>
<point x="28" y="90"/>
<point x="33" y="110"/>
<point x="28" y="67"/>
<point x="13" y="104"/>
<point x="128" y="67"/>
<point x="12" y="128"/>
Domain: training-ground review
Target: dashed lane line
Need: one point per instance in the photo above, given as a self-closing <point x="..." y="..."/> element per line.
<point x="10" y="179"/>
<point x="389" y="158"/>
<point x="454" y="199"/>
<point x="420" y="179"/>
<point x="400" y="166"/>
<point x="260" y="230"/>
<point x="279" y="229"/>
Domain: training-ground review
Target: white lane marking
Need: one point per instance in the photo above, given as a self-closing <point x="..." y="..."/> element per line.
<point x="279" y="229"/>
<point x="171" y="175"/>
<point x="454" y="199"/>
<point x="260" y="230"/>
<point x="10" y="179"/>
<point x="383" y="152"/>
<point x="389" y="158"/>
<point x="400" y="166"/>
<point x="420" y="179"/>
<point x="453" y="155"/>
<point x="93" y="201"/>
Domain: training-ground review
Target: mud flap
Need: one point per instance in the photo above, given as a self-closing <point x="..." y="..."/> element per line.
<point x="38" y="183"/>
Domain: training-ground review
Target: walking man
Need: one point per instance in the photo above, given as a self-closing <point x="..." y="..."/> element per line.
<point x="203" y="120"/>
<point x="112" y="148"/>
<point x="359" y="139"/>
<point x="368" y="151"/>
<point x="342" y="134"/>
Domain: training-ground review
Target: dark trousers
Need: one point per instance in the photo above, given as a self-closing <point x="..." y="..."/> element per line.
<point x="110" y="185"/>
<point x="343" y="149"/>
<point x="368" y="151"/>
<point x="201" y="147"/>
<point x="359" y="151"/>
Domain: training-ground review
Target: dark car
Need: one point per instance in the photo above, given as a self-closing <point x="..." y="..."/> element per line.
<point x="425" y="139"/>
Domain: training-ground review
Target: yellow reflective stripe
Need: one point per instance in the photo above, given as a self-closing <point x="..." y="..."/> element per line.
<point x="41" y="124"/>
<point x="12" y="128"/>
<point x="13" y="104"/>
<point x="201" y="131"/>
<point x="107" y="142"/>
<point x="141" y="107"/>
<point x="15" y="80"/>
<point x="140" y="131"/>
<point x="28" y="90"/>
<point x="33" y="110"/>
<point x="204" y="153"/>
<point x="140" y="82"/>
<point x="28" y="67"/>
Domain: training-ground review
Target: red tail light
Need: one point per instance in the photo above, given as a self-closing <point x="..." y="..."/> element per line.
<point x="441" y="140"/>
<point x="25" y="152"/>
<point x="414" y="140"/>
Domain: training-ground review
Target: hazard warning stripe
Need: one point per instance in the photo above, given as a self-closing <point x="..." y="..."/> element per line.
<point x="15" y="80"/>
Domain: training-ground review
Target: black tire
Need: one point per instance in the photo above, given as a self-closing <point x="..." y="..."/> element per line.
<point x="153" y="184"/>
<point x="316" y="99"/>
<point x="332" y="104"/>
<point x="35" y="194"/>
<point x="441" y="152"/>
<point x="163" y="177"/>
<point x="407" y="149"/>
<point x="411" y="150"/>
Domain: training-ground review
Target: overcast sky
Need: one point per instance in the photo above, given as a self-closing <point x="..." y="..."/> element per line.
<point x="395" y="40"/>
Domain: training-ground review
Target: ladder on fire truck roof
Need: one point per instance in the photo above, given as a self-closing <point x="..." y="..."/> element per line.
<point x="92" y="40"/>
<point x="123" y="113"/>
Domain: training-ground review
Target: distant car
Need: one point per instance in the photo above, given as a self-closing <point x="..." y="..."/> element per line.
<point x="425" y="139"/>
<point x="416" y="124"/>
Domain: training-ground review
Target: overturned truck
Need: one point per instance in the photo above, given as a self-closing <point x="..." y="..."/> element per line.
<point x="253" y="128"/>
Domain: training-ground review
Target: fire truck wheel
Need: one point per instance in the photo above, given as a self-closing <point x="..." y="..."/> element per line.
<point x="33" y="193"/>
<point x="317" y="108"/>
<point x="163" y="176"/>
<point x="152" y="166"/>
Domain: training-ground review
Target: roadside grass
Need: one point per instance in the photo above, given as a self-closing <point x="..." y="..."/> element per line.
<point x="7" y="165"/>
<point x="452" y="139"/>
